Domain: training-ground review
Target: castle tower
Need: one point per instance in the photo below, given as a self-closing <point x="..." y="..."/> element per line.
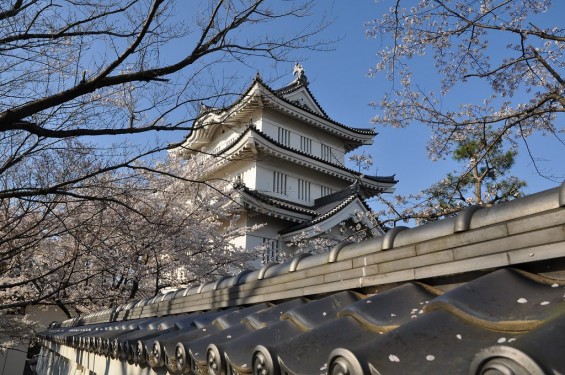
<point x="287" y="159"/>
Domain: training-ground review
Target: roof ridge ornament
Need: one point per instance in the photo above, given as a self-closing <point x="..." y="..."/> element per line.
<point x="298" y="72"/>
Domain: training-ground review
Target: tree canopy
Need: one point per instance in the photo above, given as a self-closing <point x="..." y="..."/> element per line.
<point x="86" y="219"/>
<point x="506" y="53"/>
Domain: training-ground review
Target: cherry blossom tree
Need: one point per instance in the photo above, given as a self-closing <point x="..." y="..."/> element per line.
<point x="362" y="161"/>
<point x="85" y="219"/>
<point x="502" y="51"/>
<point x="161" y="230"/>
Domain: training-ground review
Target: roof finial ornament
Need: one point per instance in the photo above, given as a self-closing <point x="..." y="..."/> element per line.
<point x="298" y="72"/>
<point x="203" y="108"/>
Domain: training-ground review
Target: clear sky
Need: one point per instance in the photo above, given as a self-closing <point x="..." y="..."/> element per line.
<point x="340" y="82"/>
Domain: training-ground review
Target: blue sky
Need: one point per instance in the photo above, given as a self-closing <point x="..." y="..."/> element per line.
<point x="340" y="82"/>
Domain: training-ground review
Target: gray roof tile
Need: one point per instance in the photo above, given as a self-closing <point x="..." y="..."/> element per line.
<point x="435" y="343"/>
<point x="408" y="329"/>
<point x="437" y="299"/>
<point x="506" y="300"/>
<point x="389" y="309"/>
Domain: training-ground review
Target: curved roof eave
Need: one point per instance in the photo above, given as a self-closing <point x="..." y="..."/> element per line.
<point x="268" y="206"/>
<point x="381" y="184"/>
<point x="360" y="135"/>
<point x="341" y="212"/>
<point x="259" y="88"/>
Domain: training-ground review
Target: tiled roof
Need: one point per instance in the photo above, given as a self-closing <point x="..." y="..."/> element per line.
<point x="278" y="202"/>
<point x="480" y="293"/>
<point x="325" y="212"/>
<point x="355" y="174"/>
<point x="322" y="209"/>
<point x="327" y="203"/>
<point x="278" y="93"/>
<point x="408" y="329"/>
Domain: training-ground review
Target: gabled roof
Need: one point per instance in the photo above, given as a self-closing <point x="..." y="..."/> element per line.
<point x="350" y="208"/>
<point x="333" y="209"/>
<point x="323" y="215"/>
<point x="297" y="90"/>
<point x="259" y="94"/>
<point x="274" y="207"/>
<point x="378" y="184"/>
<point x="465" y="295"/>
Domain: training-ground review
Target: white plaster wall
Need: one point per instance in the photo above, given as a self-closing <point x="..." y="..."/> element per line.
<point x="272" y="227"/>
<point x="244" y="167"/>
<point x="57" y="359"/>
<point x="264" y="179"/>
<point x="294" y="173"/>
<point x="249" y="172"/>
<point x="241" y="241"/>
<point x="272" y="120"/>
<point x="270" y="230"/>
<point x="256" y="118"/>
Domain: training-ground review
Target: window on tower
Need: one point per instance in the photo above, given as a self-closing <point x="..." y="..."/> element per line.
<point x="279" y="183"/>
<point x="304" y="190"/>
<point x="326" y="191"/>
<point x="305" y="144"/>
<point x="326" y="152"/>
<point x="284" y="136"/>
<point x="271" y="253"/>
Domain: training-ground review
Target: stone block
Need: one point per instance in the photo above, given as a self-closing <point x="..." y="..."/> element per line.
<point x="519" y="241"/>
<point x="416" y="261"/>
<point x="386" y="278"/>
<point x="530" y="223"/>
<point x="466" y="265"/>
<point x="462" y="238"/>
<point x="534" y="253"/>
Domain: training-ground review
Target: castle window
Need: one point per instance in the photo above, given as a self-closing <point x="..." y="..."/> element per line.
<point x="305" y="144"/>
<point x="271" y="253"/>
<point x="279" y="182"/>
<point x="284" y="136"/>
<point x="304" y="190"/>
<point x="326" y="190"/>
<point x="326" y="153"/>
